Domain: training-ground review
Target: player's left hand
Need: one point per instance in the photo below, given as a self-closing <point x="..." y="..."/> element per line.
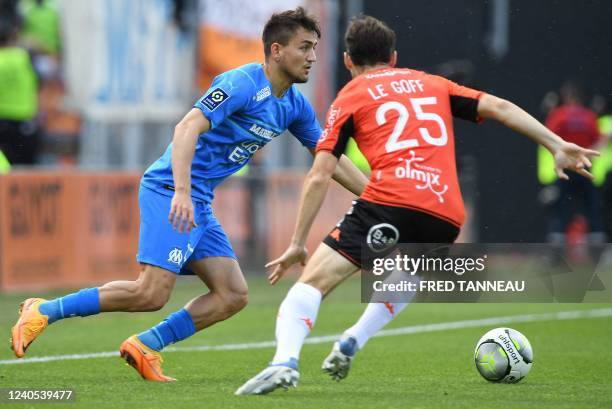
<point x="182" y="214"/>
<point x="573" y="157"/>
<point x="292" y="255"/>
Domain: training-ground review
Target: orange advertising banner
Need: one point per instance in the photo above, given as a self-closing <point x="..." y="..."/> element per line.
<point x="75" y="229"/>
<point x="106" y="225"/>
<point x="36" y="226"/>
<point x="62" y="230"/>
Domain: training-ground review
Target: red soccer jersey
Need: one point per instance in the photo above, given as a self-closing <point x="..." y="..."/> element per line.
<point x="575" y="124"/>
<point x="402" y="122"/>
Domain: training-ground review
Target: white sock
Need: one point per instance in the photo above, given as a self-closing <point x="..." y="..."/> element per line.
<point x="373" y="319"/>
<point x="296" y="317"/>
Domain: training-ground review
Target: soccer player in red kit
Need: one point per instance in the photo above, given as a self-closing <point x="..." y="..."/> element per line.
<point x="576" y="123"/>
<point x="402" y="122"/>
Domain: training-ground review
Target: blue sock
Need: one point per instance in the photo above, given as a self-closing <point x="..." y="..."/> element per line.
<point x="176" y="327"/>
<point x="291" y="363"/>
<point x="83" y="303"/>
<point x="348" y="345"/>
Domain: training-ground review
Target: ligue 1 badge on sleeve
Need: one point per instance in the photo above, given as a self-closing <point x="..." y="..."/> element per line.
<point x="215" y="98"/>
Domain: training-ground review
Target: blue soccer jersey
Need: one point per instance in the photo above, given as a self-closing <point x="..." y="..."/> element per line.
<point x="244" y="116"/>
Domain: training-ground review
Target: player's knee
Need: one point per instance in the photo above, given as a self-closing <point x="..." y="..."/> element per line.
<point x="156" y="302"/>
<point x="318" y="281"/>
<point x="150" y="301"/>
<point x="238" y="300"/>
<point x="235" y="300"/>
<point x="152" y="296"/>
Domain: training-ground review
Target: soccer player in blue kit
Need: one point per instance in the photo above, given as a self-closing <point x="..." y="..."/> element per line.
<point x="243" y="110"/>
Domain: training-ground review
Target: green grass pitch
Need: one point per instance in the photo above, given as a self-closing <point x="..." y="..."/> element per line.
<point x="420" y="370"/>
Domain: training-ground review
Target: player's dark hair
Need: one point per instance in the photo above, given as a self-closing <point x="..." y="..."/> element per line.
<point x="369" y="41"/>
<point x="282" y="26"/>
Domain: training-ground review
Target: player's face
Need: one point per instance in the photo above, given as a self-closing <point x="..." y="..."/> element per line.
<point x="298" y="56"/>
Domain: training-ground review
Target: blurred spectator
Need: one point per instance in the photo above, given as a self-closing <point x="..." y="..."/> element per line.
<point x="18" y="97"/>
<point x="40" y="30"/>
<point x="546" y="163"/>
<point x="577" y="124"/>
<point x="602" y="166"/>
<point x="40" y="33"/>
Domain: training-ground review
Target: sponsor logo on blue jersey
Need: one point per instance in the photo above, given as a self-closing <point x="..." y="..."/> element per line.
<point x="262" y="132"/>
<point x="215" y="98"/>
<point x="244" y="151"/>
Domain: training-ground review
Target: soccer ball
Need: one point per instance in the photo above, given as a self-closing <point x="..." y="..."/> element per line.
<point x="503" y="355"/>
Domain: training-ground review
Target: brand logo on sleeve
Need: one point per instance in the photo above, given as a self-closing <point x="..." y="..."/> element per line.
<point x="332" y="117"/>
<point x="263" y="93"/>
<point x="215" y="98"/>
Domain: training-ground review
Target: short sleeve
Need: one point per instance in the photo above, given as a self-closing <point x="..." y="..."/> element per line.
<point x="229" y="92"/>
<point x="463" y="101"/>
<point x="339" y="127"/>
<point x="306" y="127"/>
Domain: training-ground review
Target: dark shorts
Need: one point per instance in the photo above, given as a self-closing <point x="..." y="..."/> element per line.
<point x="370" y="230"/>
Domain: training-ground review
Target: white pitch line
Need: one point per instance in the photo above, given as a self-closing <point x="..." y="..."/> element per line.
<point x="413" y="329"/>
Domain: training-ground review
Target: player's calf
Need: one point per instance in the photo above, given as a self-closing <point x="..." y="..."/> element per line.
<point x="147" y="299"/>
<point x="150" y="292"/>
<point x="326" y="269"/>
<point x="216" y="306"/>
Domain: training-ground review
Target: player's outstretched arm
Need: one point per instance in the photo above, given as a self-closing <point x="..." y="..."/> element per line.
<point x="567" y="155"/>
<point x="184" y="141"/>
<point x="348" y="175"/>
<point x="313" y="194"/>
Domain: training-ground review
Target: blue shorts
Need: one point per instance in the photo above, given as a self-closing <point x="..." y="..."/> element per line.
<point x="162" y="246"/>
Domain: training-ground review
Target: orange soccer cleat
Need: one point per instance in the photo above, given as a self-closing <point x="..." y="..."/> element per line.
<point x="29" y="326"/>
<point x="146" y="361"/>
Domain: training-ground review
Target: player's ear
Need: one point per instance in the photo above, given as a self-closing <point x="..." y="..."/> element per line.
<point x="348" y="63"/>
<point x="275" y="52"/>
<point x="393" y="59"/>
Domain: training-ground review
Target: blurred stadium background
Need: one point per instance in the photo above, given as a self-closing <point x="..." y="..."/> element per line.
<point x="114" y="77"/>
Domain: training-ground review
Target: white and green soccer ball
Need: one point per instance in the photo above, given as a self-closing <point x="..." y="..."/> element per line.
<point x="503" y="355"/>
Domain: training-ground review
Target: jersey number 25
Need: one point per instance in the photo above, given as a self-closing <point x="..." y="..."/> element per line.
<point x="393" y="143"/>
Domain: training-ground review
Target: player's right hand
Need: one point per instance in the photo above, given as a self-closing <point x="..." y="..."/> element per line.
<point x="181" y="212"/>
<point x="573" y="157"/>
<point x="292" y="255"/>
